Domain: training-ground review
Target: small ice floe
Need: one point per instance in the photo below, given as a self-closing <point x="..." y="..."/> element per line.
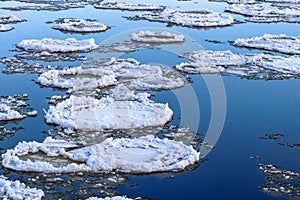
<point x="121" y="111"/>
<point x="236" y="1"/>
<point x="281" y="1"/>
<point x="4" y="133"/>
<point x="110" y="198"/>
<point x="79" y="25"/>
<point x="146" y="154"/>
<point x="46" y="5"/>
<point x="127" y="71"/>
<point x="5" y="28"/>
<point x="32" y="113"/>
<point x="265" y="13"/>
<point x="14" y="66"/>
<point x="152" y="37"/>
<point x="9" y="19"/>
<point x="50" y="57"/>
<point x="128" y="6"/>
<point x="55" y="45"/>
<point x="17" y="190"/>
<point x="10" y="108"/>
<point x="279" y="43"/>
<point x="190" y="18"/>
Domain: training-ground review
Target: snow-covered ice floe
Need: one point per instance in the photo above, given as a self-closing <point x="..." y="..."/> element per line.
<point x="146" y="154"/>
<point x="121" y="110"/>
<point x="265" y="13"/>
<point x="110" y="198"/>
<point x="128" y="6"/>
<point x="4" y="28"/>
<point x="152" y="37"/>
<point x="55" y="45"/>
<point x="190" y="18"/>
<point x="279" y="43"/>
<point x="17" y="190"/>
<point x="127" y="71"/>
<point x="13" y="108"/>
<point x="50" y="57"/>
<point x="244" y="65"/>
<point x="8" y="19"/>
<point x="236" y="1"/>
<point x="79" y="25"/>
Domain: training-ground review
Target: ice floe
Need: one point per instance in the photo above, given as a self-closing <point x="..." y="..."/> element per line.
<point x="55" y="45"/>
<point x="50" y="57"/>
<point x="265" y="13"/>
<point x="12" y="108"/>
<point x="128" y="71"/>
<point x="137" y="155"/>
<point x="128" y="6"/>
<point x="236" y="1"/>
<point x="245" y="65"/>
<point x="79" y="25"/>
<point x="279" y="43"/>
<point x="152" y="37"/>
<point x="8" y="19"/>
<point x="17" y="190"/>
<point x="116" y="112"/>
<point x="189" y="18"/>
<point x="110" y="198"/>
<point x="4" y="28"/>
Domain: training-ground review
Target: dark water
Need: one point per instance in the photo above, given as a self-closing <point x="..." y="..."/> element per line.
<point x="254" y="108"/>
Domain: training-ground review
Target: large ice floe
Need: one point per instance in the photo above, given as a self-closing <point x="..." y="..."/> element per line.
<point x="265" y="13"/>
<point x="13" y="107"/>
<point x="128" y="6"/>
<point x="79" y="25"/>
<point x="244" y="65"/>
<point x="128" y="71"/>
<point x="121" y="110"/>
<point x="4" y="28"/>
<point x="9" y="19"/>
<point x="17" y="190"/>
<point x="55" y="45"/>
<point x="152" y="37"/>
<point x="279" y="43"/>
<point x="189" y="18"/>
<point x="146" y="154"/>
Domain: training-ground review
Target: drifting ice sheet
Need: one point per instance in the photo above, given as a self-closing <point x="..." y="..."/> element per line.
<point x="128" y="6"/>
<point x="79" y="25"/>
<point x="17" y="190"/>
<point x="190" y="18"/>
<point x="280" y="43"/>
<point x="53" y="45"/>
<point x="87" y="113"/>
<point x="138" y="155"/>
<point x="152" y="37"/>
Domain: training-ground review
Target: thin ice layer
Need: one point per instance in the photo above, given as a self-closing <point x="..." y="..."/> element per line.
<point x="87" y="113"/>
<point x="137" y="155"/>
<point x="7" y="19"/>
<point x="115" y="71"/>
<point x="152" y="37"/>
<point x="54" y="45"/>
<point x="17" y="190"/>
<point x="128" y="6"/>
<point x="79" y="25"/>
<point x="190" y="18"/>
<point x="280" y="43"/>
<point x="5" y="28"/>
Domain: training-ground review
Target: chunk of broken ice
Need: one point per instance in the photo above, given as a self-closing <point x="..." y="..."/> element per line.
<point x="79" y="25"/>
<point x="152" y="37"/>
<point x="128" y="6"/>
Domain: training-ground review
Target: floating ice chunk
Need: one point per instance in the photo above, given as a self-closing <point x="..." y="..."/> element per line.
<point x="265" y="13"/>
<point x="54" y="45"/>
<point x="17" y="190"/>
<point x="4" y="28"/>
<point x="128" y="6"/>
<point x="10" y="109"/>
<point x="190" y="18"/>
<point x="280" y="43"/>
<point x="87" y="113"/>
<point x="110" y="198"/>
<point x="236" y="1"/>
<point x="127" y="71"/>
<point x="6" y="19"/>
<point x="79" y="25"/>
<point x="196" y="68"/>
<point x="32" y="113"/>
<point x="138" y="155"/>
<point x="50" y="57"/>
<point x="281" y="1"/>
<point x="152" y="37"/>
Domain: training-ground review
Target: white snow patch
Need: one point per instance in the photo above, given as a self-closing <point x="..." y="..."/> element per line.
<point x="128" y="6"/>
<point x="17" y="190"/>
<point x="54" y="45"/>
<point x="138" y="155"/>
<point x="190" y="18"/>
<point x="152" y="37"/>
<point x="6" y="19"/>
<point x="280" y="43"/>
<point x="79" y="25"/>
<point x="4" y="28"/>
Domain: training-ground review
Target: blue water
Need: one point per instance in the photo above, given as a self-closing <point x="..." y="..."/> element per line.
<point x="254" y="108"/>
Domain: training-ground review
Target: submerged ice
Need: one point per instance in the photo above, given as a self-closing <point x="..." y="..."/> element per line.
<point x="146" y="154"/>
